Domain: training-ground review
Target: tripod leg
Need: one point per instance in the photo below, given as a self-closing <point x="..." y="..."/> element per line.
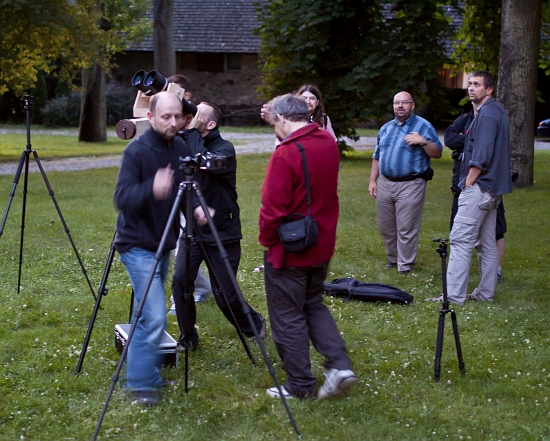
<point x="246" y="308"/>
<point x="157" y="258"/>
<point x="221" y="293"/>
<point x="457" y="343"/>
<point x="50" y="191"/>
<point x="439" y="344"/>
<point x="24" y="157"/>
<point x="102" y="291"/>
<point x="25" y="186"/>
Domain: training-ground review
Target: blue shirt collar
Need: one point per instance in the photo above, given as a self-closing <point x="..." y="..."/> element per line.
<point x="407" y="121"/>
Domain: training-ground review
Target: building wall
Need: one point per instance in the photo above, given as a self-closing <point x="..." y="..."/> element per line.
<point x="226" y="80"/>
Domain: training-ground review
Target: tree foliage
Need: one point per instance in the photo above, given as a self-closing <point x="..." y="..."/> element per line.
<point x="359" y="52"/>
<point x="63" y="36"/>
<point x="478" y="40"/>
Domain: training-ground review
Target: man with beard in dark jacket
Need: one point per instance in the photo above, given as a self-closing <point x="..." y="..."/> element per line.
<point x="219" y="189"/>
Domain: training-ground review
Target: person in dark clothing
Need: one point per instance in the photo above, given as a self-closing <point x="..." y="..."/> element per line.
<point x="455" y="136"/>
<point x="219" y="189"/>
<point x="145" y="192"/>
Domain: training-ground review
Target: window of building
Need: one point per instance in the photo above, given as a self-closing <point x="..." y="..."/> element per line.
<point x="212" y="62"/>
<point x="233" y="61"/>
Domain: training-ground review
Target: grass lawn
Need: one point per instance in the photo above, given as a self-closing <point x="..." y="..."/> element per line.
<point x="506" y="345"/>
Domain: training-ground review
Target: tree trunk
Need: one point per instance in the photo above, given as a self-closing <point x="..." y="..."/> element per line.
<point x="517" y="80"/>
<point x="93" y="108"/>
<point x="163" y="37"/>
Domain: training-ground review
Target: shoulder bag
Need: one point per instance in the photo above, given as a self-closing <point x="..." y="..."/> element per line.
<point x="301" y="234"/>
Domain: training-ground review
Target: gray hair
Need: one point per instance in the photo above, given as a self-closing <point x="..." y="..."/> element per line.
<point x="291" y="107"/>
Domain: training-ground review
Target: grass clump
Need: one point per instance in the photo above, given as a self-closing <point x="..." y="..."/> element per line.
<point x="506" y="344"/>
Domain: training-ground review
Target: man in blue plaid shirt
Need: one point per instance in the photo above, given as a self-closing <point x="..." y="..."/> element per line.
<point x="400" y="170"/>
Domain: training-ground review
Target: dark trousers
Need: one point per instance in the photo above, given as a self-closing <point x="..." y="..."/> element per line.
<point x="219" y="279"/>
<point x="297" y="315"/>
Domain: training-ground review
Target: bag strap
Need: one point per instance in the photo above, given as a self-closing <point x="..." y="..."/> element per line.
<point x="306" y="175"/>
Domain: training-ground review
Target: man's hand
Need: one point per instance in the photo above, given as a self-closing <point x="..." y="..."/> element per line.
<point x="473" y="174"/>
<point x="198" y="121"/>
<point x="265" y="113"/>
<point x="200" y="216"/>
<point x="414" y="138"/>
<point x="372" y="189"/>
<point x="163" y="183"/>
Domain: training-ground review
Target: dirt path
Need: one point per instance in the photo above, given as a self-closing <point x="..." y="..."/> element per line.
<point x="245" y="143"/>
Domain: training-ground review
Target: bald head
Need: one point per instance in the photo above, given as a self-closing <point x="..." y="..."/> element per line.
<point x="165" y="115"/>
<point x="403" y="106"/>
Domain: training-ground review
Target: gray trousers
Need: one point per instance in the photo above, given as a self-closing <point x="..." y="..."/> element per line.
<point x="297" y="315"/>
<point x="398" y="214"/>
<point x="474" y="226"/>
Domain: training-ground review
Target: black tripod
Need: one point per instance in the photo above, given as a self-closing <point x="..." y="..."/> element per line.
<point x="442" y="250"/>
<point x="25" y="156"/>
<point x="190" y="165"/>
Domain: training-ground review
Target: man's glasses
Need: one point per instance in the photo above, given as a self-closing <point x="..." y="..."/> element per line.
<point x="402" y="102"/>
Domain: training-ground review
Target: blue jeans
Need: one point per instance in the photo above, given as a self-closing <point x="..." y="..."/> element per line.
<point x="143" y="373"/>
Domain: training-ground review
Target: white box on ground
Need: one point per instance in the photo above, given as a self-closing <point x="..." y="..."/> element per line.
<point x="167" y="349"/>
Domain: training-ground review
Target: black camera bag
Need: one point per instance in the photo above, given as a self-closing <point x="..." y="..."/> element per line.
<point x="353" y="289"/>
<point x="299" y="235"/>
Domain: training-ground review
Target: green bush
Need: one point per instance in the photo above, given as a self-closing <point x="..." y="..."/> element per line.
<point x="64" y="111"/>
<point x="120" y="102"/>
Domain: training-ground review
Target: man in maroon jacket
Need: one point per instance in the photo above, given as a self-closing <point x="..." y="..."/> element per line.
<point x="294" y="281"/>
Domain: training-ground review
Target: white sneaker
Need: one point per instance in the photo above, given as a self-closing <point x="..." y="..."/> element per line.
<point x="336" y="383"/>
<point x="273" y="392"/>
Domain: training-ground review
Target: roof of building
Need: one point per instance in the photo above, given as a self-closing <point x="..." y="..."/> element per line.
<point x="212" y="26"/>
<point x="229" y="26"/>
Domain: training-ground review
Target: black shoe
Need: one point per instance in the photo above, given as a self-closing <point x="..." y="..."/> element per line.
<point x="192" y="345"/>
<point x="403" y="273"/>
<point x="391" y="265"/>
<point x="264" y="327"/>
<point x="146" y="397"/>
<point x="261" y="331"/>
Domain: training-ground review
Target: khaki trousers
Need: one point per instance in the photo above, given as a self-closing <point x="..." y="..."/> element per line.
<point x="474" y="226"/>
<point x="398" y="214"/>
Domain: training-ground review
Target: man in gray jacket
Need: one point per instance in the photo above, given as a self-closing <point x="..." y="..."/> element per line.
<point x="484" y="177"/>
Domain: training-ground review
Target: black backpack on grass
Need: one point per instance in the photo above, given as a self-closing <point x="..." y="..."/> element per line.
<point x="353" y="289"/>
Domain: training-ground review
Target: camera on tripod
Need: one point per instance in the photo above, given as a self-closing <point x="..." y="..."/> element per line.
<point x="206" y="161"/>
<point x="148" y="84"/>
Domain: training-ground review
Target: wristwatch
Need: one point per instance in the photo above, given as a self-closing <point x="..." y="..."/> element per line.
<point x="424" y="143"/>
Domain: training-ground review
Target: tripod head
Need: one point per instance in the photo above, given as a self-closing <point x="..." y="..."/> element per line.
<point x="442" y="248"/>
<point x="28" y="101"/>
<point x="190" y="164"/>
<point x="28" y="104"/>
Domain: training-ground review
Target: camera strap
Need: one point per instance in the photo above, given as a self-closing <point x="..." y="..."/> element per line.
<point x="306" y="175"/>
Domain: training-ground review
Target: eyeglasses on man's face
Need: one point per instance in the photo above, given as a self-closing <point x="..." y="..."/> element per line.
<point x="397" y="102"/>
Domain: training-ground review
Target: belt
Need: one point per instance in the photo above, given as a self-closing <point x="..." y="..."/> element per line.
<point x="402" y="178"/>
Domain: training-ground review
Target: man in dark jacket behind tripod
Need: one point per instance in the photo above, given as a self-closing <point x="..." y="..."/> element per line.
<point x="218" y="186"/>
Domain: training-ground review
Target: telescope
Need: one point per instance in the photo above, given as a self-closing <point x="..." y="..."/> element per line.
<point x="148" y="84"/>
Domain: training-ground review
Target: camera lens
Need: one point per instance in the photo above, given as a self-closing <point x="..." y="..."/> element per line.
<point x="155" y="82"/>
<point x="137" y="80"/>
